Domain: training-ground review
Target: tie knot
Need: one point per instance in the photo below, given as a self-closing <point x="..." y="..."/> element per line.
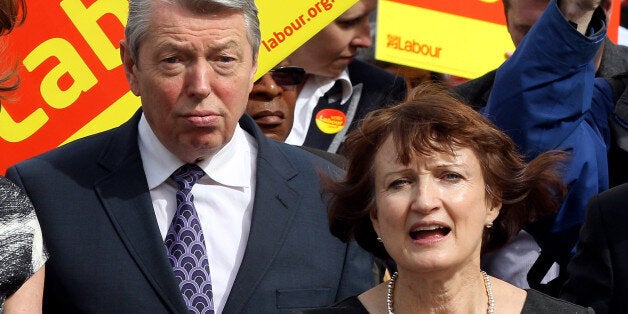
<point x="187" y="175"/>
<point x="334" y="94"/>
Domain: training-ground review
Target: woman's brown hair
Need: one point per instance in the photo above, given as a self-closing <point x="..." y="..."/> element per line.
<point x="431" y="120"/>
<point x="12" y="13"/>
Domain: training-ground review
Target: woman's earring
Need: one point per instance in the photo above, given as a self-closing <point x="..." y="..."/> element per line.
<point x="489" y="225"/>
<point x="379" y="240"/>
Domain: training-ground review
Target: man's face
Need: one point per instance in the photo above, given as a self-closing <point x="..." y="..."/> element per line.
<point x="330" y="51"/>
<point x="521" y="15"/>
<point x="271" y="101"/>
<point x="193" y="73"/>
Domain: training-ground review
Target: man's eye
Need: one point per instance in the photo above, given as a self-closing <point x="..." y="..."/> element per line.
<point x="225" y="59"/>
<point x="171" y="60"/>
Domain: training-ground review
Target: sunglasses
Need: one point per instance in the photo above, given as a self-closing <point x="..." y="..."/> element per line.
<point x="287" y="75"/>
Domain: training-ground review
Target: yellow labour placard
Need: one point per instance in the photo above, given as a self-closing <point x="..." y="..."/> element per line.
<point x="466" y="38"/>
<point x="286" y="25"/>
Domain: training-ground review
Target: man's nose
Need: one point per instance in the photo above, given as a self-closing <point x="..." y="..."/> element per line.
<point x="266" y="88"/>
<point x="199" y="79"/>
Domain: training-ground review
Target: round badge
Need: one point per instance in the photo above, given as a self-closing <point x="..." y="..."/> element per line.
<point x="330" y="121"/>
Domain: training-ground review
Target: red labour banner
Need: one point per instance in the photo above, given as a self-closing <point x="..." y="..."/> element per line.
<point x="488" y="10"/>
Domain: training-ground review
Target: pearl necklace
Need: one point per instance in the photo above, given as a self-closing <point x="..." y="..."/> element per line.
<point x="487" y="282"/>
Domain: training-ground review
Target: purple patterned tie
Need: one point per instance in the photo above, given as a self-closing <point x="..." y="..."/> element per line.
<point x="186" y="245"/>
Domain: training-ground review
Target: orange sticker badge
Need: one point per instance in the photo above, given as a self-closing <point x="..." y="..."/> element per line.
<point x="330" y="121"/>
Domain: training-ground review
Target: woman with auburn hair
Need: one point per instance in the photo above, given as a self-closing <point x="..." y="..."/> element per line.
<point x="12" y="13"/>
<point x="432" y="185"/>
<point x="22" y="252"/>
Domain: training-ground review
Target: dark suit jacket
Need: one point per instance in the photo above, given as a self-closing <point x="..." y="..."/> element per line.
<point x="598" y="272"/>
<point x="373" y="88"/>
<point x="107" y="255"/>
<point x="380" y="88"/>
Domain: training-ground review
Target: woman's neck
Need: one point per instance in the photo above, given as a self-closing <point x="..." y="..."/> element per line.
<point x="462" y="292"/>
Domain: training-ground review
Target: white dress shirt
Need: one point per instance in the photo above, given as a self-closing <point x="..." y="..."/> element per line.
<point x="313" y="89"/>
<point x="223" y="199"/>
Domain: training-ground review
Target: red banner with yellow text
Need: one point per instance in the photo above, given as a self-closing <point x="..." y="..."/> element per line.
<point x="73" y="82"/>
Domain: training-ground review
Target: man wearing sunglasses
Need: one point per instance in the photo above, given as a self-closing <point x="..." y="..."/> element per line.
<point x="272" y="99"/>
<point x="271" y="104"/>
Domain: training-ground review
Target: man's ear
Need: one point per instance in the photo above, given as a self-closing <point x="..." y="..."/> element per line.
<point x="130" y="68"/>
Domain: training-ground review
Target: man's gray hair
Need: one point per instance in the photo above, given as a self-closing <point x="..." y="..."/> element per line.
<point x="139" y="18"/>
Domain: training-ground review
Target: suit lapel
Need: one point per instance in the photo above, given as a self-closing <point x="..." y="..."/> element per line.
<point x="274" y="208"/>
<point x="125" y="197"/>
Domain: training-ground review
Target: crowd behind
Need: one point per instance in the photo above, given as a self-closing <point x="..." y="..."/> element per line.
<point x="334" y="183"/>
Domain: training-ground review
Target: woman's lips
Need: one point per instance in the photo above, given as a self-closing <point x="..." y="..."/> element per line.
<point x="428" y="233"/>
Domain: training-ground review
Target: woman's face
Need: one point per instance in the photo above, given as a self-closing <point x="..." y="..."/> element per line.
<point x="431" y="213"/>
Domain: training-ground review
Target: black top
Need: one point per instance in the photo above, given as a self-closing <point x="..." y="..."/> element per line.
<point x="536" y="302"/>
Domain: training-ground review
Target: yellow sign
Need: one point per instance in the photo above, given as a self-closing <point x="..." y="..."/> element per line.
<point x="466" y="38"/>
<point x="286" y="25"/>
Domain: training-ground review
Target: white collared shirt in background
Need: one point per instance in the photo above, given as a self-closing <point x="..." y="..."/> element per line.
<point x="315" y="87"/>
<point x="223" y="199"/>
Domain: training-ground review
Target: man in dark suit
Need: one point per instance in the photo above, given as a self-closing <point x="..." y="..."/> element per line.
<point x="340" y="90"/>
<point x="598" y="272"/>
<point x="120" y="224"/>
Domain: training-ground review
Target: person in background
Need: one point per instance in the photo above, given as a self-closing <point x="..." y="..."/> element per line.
<point x="610" y="60"/>
<point x="340" y="90"/>
<point x="546" y="97"/>
<point x="22" y="251"/>
<point x="431" y="184"/>
<point x="271" y="105"/>
<point x="272" y="99"/>
<point x="598" y="272"/>
<point x="189" y="174"/>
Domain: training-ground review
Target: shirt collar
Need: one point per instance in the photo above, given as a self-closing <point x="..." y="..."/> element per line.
<point x="227" y="167"/>
<point x="326" y="83"/>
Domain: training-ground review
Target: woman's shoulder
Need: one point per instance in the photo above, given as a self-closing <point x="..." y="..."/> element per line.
<point x="537" y="302"/>
<point x="350" y="305"/>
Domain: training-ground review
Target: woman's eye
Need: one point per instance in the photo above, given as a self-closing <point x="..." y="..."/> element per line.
<point x="452" y="176"/>
<point x="399" y="183"/>
<point x="353" y="22"/>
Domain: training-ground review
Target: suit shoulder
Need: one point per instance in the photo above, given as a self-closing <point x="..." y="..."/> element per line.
<point x="363" y="70"/>
<point x="306" y="158"/>
<point x="611" y="203"/>
<point x="339" y="160"/>
<point x="381" y="87"/>
<point x="537" y="302"/>
<point x="73" y="153"/>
